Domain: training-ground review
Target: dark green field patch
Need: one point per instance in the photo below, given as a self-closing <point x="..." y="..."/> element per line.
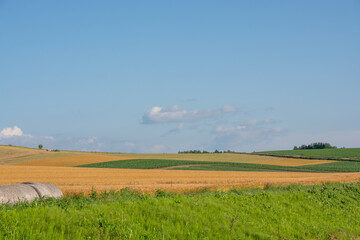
<point x="343" y="166"/>
<point x="332" y="153"/>
<point x="142" y="163"/>
<point x="198" y="165"/>
<point x="229" y="168"/>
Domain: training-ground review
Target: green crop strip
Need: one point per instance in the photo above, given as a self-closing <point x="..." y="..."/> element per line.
<point x="343" y="166"/>
<point x="336" y="154"/>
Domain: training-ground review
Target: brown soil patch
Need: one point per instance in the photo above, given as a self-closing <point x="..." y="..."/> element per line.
<point x="76" y="180"/>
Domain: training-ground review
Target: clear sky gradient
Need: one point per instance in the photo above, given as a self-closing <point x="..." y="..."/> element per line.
<point x="164" y="76"/>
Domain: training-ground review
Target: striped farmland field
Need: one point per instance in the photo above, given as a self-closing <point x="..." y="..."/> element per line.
<point x="77" y="180"/>
<point x="36" y="157"/>
<point x="83" y="158"/>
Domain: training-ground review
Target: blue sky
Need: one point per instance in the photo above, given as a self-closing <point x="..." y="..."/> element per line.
<point x="164" y="76"/>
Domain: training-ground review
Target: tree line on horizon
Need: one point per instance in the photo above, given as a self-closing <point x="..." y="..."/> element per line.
<point x="318" y="145"/>
<point x="204" y="151"/>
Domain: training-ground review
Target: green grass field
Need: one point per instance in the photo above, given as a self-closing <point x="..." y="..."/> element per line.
<point x="329" y="211"/>
<point x="332" y="153"/>
<point x="341" y="166"/>
<point x="143" y="163"/>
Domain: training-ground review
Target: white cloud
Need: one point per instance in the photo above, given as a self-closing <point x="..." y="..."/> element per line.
<point x="180" y="127"/>
<point x="247" y="131"/>
<point x="176" y="114"/>
<point x="228" y="109"/>
<point x="228" y="130"/>
<point x="91" y="140"/>
<point x="256" y="122"/>
<point x="15" y="136"/>
<point x="129" y="145"/>
<point x="245" y="135"/>
<point x="133" y="147"/>
<point x="245" y="127"/>
<point x="11" y="132"/>
<point x="177" y="129"/>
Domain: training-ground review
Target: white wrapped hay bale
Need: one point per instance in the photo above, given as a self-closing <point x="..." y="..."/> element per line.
<point x="17" y="193"/>
<point x="27" y="192"/>
<point x="45" y="189"/>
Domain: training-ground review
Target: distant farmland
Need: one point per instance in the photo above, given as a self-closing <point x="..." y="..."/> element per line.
<point x="170" y="172"/>
<point x="181" y="196"/>
<point x="340" y="166"/>
<point x="332" y="153"/>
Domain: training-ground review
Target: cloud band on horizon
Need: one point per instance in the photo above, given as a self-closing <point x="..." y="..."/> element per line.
<point x="175" y="114"/>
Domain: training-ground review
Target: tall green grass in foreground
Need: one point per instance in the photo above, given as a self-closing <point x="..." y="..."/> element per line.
<point x="330" y="211"/>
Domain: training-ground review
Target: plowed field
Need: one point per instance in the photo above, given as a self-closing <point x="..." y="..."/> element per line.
<point x="77" y="180"/>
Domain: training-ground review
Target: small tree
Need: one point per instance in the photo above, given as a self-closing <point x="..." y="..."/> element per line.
<point x="40" y="146"/>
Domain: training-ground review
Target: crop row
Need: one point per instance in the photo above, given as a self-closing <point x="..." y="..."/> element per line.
<point x="341" y="166"/>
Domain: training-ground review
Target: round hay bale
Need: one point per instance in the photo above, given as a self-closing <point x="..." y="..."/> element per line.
<point x="45" y="189"/>
<point x="11" y="194"/>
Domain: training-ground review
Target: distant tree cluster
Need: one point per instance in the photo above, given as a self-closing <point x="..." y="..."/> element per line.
<point x="204" y="151"/>
<point x="194" y="151"/>
<point x="318" y="145"/>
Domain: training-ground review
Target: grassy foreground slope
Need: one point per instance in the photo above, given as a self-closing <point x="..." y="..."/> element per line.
<point x="340" y="166"/>
<point x="331" y="153"/>
<point x="329" y="211"/>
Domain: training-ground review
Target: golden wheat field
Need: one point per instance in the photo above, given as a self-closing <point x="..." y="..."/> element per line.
<point x="77" y="180"/>
<point x="14" y="154"/>
<point x="73" y="160"/>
